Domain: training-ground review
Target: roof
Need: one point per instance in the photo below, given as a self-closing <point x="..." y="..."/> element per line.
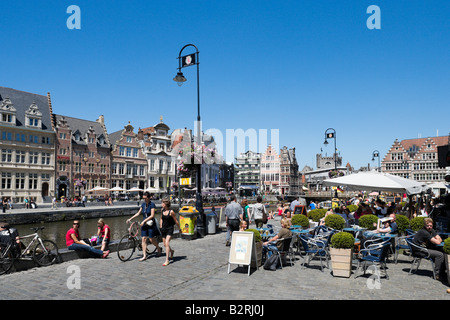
<point x="22" y="101"/>
<point x="83" y="126"/>
<point x="439" y="141"/>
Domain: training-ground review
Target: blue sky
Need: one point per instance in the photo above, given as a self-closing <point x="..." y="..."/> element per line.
<point x="297" y="66"/>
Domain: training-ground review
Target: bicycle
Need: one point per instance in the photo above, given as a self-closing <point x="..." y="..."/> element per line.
<point x="44" y="253"/>
<point x="131" y="241"/>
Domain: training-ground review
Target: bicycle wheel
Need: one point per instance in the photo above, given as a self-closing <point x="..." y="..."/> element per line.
<point x="6" y="259"/>
<point x="127" y="246"/>
<point x="45" y="253"/>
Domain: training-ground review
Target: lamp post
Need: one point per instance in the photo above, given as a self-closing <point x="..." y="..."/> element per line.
<point x="186" y="61"/>
<point x="331" y="133"/>
<point x="376" y="154"/>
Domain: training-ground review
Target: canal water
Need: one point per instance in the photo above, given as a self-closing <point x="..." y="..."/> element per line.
<point x="56" y="231"/>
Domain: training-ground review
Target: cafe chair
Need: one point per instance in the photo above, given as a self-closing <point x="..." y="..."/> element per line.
<point x="419" y="253"/>
<point x="314" y="248"/>
<point x="400" y="243"/>
<point x="286" y="251"/>
<point x="375" y="253"/>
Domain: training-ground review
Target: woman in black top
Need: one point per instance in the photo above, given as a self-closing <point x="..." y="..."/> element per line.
<point x="168" y="220"/>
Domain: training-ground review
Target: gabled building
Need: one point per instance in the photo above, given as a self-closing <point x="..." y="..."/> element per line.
<point x="416" y="159"/>
<point x="83" y="153"/>
<point x="270" y="171"/>
<point x="129" y="162"/>
<point x="27" y="146"/>
<point x="157" y="145"/>
<point x="289" y="175"/>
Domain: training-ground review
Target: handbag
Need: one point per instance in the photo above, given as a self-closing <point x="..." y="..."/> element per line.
<point x="264" y="217"/>
<point x="149" y="222"/>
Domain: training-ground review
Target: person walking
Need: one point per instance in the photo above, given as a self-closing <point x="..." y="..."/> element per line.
<point x="258" y="212"/>
<point x="168" y="220"/>
<point x="149" y="229"/>
<point x="233" y="211"/>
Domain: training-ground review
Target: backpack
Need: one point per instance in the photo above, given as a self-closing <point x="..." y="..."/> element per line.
<point x="271" y="263"/>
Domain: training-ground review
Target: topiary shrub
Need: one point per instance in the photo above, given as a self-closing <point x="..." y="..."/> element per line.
<point x="417" y="223"/>
<point x="300" y="220"/>
<point x="352" y="207"/>
<point x="402" y="223"/>
<point x="335" y="221"/>
<point x="447" y="246"/>
<point x="257" y="235"/>
<point x="367" y="221"/>
<point x="316" y="214"/>
<point x="342" y="240"/>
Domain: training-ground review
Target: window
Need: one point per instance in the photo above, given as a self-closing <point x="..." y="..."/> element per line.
<point x="62" y="136"/>
<point x="91" y="168"/>
<point x="20" y="156"/>
<point x="7" y="118"/>
<point x="128" y="152"/>
<point x="45" y="158"/>
<point x="77" y="166"/>
<point x="20" y="180"/>
<point x="152" y="165"/>
<point x="121" y="168"/>
<point x="122" y="151"/>
<point x="6" y="180"/>
<point x="6" y="155"/>
<point x="33" y="157"/>
<point x="114" y="168"/>
<point x="142" y="170"/>
<point x="103" y="168"/>
<point x="129" y="139"/>
<point x="32" y="181"/>
<point x="135" y="152"/>
<point x="62" y="165"/>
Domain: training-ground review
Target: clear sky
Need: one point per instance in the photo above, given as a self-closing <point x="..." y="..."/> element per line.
<point x="297" y="66"/>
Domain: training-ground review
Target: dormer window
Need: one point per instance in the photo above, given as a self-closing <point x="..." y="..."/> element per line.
<point x="33" y="117"/>
<point x="7" y="112"/>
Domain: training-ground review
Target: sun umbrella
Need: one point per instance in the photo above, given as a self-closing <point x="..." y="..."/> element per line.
<point x="135" y="189"/>
<point x="116" y="189"/>
<point x="98" y="188"/>
<point x="152" y="190"/>
<point x="377" y="181"/>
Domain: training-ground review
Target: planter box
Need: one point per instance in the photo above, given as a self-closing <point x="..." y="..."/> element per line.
<point x="341" y="262"/>
<point x="258" y="246"/>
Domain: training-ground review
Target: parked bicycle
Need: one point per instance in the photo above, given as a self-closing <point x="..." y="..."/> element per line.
<point x="42" y="252"/>
<point x="131" y="241"/>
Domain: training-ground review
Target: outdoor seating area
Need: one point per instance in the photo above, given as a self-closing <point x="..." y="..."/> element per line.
<point x="311" y="248"/>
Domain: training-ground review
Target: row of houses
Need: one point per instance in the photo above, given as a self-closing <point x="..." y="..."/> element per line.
<point x="269" y="172"/>
<point x="45" y="154"/>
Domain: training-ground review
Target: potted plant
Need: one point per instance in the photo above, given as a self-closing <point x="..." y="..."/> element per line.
<point x="417" y="223"/>
<point x="447" y="258"/>
<point x="402" y="223"/>
<point x="335" y="221"/>
<point x="341" y="250"/>
<point x="300" y="220"/>
<point x="258" y="246"/>
<point x="368" y="221"/>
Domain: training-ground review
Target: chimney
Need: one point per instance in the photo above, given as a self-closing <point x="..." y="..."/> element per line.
<point x="101" y="120"/>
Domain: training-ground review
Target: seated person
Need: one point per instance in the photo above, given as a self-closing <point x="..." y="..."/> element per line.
<point x="243" y="225"/>
<point x="74" y="242"/>
<point x="428" y="238"/>
<point x="283" y="233"/>
<point x="386" y="226"/>
<point x="103" y="233"/>
<point x="6" y="233"/>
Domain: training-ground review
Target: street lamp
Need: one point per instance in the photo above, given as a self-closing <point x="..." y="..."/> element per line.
<point x="331" y="133"/>
<point x="376" y="154"/>
<point x="186" y="61"/>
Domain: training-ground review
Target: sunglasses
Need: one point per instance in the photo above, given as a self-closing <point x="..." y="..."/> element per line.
<point x="76" y="224"/>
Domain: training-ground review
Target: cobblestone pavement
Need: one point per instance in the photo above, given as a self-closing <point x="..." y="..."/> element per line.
<point x="199" y="271"/>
